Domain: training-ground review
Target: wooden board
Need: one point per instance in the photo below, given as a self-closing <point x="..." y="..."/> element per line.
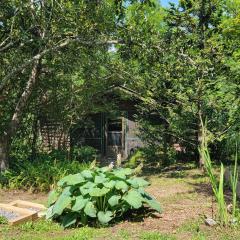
<point x="25" y="214"/>
<point x="28" y="205"/>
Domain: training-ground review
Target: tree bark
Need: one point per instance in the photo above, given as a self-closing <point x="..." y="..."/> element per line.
<point x="5" y="141"/>
<point x="4" y="154"/>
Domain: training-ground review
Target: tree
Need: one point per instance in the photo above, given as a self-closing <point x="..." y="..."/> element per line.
<point x="182" y="73"/>
<point x="30" y="43"/>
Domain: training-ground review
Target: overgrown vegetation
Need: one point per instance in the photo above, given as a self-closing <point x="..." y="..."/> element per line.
<point x="40" y="175"/>
<point x="218" y="184"/>
<point x="98" y="195"/>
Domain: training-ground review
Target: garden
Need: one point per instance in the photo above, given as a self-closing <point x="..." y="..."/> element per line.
<point x="119" y="119"/>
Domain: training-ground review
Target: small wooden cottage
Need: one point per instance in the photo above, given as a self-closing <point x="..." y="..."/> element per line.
<point x="112" y="132"/>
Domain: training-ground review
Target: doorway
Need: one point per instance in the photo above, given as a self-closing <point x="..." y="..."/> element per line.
<point x="115" y="138"/>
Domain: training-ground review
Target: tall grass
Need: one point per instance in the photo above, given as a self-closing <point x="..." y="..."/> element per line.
<point x="234" y="183"/>
<point x="217" y="185"/>
<point x="40" y="175"/>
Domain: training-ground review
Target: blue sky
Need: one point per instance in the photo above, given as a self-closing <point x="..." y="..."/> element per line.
<point x="165" y="2"/>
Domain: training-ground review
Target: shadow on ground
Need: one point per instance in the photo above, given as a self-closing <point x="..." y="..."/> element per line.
<point x="174" y="171"/>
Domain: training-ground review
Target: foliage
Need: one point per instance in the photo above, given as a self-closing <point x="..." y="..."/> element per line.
<point x="3" y="220"/>
<point x="136" y="158"/>
<point x="156" y="236"/>
<point x="182" y="63"/>
<point x="40" y="175"/>
<point x="97" y="195"/>
<point x="234" y="184"/>
<point x="84" y="154"/>
<point x="218" y="186"/>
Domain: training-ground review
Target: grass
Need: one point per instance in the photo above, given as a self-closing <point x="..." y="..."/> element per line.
<point x="46" y="229"/>
<point x="185" y="201"/>
<point x="156" y="236"/>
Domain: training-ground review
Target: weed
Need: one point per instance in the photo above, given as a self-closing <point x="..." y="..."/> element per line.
<point x="216" y="187"/>
<point x="156" y="236"/>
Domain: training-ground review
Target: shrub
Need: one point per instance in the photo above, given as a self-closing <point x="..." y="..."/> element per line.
<point x="98" y="195"/>
<point x="85" y="153"/>
<point x="39" y="175"/>
<point x="136" y="158"/>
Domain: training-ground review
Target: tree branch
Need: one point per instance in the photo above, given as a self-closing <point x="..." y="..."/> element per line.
<point x="54" y="48"/>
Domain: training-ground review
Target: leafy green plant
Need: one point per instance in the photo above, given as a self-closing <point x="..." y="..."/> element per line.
<point x="40" y="175"/>
<point x="234" y="183"/>
<point x="98" y="195"/>
<point x="136" y="158"/>
<point x="84" y="154"/>
<point x="3" y="220"/>
<point x="217" y="186"/>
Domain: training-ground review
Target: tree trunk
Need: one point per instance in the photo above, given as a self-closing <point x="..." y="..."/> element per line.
<point x="4" y="153"/>
<point x="5" y="142"/>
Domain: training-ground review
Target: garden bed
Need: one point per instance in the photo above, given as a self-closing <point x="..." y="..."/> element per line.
<point x="35" y="207"/>
<point x="15" y="215"/>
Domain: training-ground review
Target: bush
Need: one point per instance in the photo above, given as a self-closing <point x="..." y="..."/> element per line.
<point x="135" y="159"/>
<point x="85" y="153"/>
<point x="40" y="175"/>
<point x="98" y="195"/>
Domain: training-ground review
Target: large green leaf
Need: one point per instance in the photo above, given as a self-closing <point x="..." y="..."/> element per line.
<point x="49" y="212"/>
<point x="104" y="169"/>
<point x="87" y="174"/>
<point x="69" y="219"/>
<point x="71" y="180"/>
<point x="90" y="210"/>
<point x="52" y="197"/>
<point x="114" y="200"/>
<point x="121" y="185"/>
<point x="104" y="217"/>
<point x="134" y="199"/>
<point x="119" y="174"/>
<point x="79" y="204"/>
<point x="62" y="202"/>
<point x="138" y="182"/>
<point x="84" y="191"/>
<point x="87" y="187"/>
<point x="98" y="192"/>
<point x="126" y="171"/>
<point x="154" y="205"/>
<point x="100" y="179"/>
<point x="109" y="184"/>
<point x="67" y="190"/>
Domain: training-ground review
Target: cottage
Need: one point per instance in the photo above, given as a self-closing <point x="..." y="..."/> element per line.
<point x="112" y="132"/>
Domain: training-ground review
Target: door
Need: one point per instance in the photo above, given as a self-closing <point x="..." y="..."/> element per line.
<point x="114" y="134"/>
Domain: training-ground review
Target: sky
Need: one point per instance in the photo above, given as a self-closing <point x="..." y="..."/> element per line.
<point x="165" y="2"/>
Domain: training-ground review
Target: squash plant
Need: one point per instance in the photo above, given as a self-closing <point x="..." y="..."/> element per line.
<point x="99" y="194"/>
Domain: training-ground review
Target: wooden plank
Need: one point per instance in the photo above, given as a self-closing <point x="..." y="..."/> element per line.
<point x="21" y="219"/>
<point x="24" y="213"/>
<point x="26" y="204"/>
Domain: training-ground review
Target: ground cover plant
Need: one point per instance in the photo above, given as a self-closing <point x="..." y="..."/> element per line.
<point x="98" y="195"/>
<point x="40" y="175"/>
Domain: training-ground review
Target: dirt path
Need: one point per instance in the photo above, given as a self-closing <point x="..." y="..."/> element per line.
<point x="183" y="199"/>
<point x="7" y="196"/>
